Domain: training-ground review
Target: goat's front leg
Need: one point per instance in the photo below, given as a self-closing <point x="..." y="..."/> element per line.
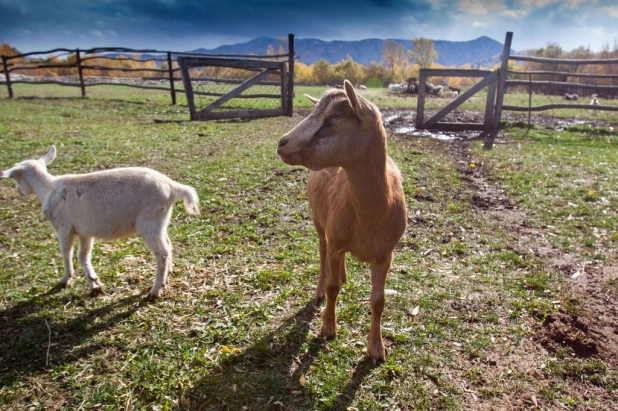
<point x="320" y="290"/>
<point x="379" y="269"/>
<point x="66" y="246"/>
<point x="160" y="248"/>
<point x="84" y="255"/>
<point x="333" y="286"/>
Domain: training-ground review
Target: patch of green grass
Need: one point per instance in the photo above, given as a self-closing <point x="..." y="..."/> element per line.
<point x="238" y="327"/>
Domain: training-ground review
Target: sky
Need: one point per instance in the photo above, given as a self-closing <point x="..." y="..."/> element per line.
<point x="182" y="25"/>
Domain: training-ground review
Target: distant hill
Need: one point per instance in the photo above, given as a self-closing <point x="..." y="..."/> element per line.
<point x="482" y="50"/>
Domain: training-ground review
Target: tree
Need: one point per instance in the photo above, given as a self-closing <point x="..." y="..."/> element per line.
<point x="393" y="54"/>
<point x="423" y="52"/>
<point x="347" y="69"/>
<point x="321" y="71"/>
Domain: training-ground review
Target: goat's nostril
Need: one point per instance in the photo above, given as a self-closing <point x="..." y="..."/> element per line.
<point x="283" y="142"/>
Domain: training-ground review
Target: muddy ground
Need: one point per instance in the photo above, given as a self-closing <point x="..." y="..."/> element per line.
<point x="402" y="122"/>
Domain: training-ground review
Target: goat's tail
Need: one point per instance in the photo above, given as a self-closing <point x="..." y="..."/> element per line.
<point x="189" y="198"/>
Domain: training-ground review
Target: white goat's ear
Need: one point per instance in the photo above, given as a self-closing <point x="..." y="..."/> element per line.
<point x="352" y="98"/>
<point x="49" y="157"/>
<point x="11" y="172"/>
<point x="312" y="99"/>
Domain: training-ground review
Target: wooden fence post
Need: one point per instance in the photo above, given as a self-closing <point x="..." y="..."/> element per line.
<point x="5" y="66"/>
<point x="506" y="53"/>
<point x="80" y="71"/>
<point x="171" y="77"/>
<point x="420" y="103"/>
<point x="290" y="96"/>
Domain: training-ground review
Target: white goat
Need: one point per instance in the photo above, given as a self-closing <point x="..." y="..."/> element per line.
<point x="594" y="102"/>
<point x="394" y="88"/>
<point x="108" y="204"/>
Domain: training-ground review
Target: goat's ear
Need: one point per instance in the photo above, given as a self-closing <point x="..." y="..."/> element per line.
<point x="11" y="172"/>
<point x="312" y="99"/>
<point x="49" y="157"/>
<point x="352" y="98"/>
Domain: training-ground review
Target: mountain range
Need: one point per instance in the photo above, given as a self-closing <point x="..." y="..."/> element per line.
<point x="480" y="51"/>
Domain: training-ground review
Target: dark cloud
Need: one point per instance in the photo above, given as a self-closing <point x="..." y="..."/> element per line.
<point x="187" y="24"/>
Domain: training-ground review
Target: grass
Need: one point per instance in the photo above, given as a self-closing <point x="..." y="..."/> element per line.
<point x="238" y="327"/>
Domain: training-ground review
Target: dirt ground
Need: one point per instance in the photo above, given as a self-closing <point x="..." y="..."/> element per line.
<point x="589" y="328"/>
<point x="402" y="122"/>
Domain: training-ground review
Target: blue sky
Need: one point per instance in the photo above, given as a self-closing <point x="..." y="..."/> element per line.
<point x="188" y="24"/>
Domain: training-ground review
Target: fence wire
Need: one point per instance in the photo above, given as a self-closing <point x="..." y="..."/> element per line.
<point x="532" y="95"/>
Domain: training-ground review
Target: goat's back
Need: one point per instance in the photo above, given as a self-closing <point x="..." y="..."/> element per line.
<point x="112" y="203"/>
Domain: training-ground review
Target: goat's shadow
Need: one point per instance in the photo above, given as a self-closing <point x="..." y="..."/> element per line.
<point x="26" y="336"/>
<point x="272" y="370"/>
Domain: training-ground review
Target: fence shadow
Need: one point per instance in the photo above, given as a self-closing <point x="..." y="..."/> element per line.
<point x="270" y="372"/>
<point x="26" y="337"/>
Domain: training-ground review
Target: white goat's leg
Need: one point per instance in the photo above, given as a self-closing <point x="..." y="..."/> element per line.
<point x="170" y="266"/>
<point x="157" y="243"/>
<point x="333" y="286"/>
<point x="320" y="290"/>
<point x="66" y="246"/>
<point x="379" y="269"/>
<point x="84" y="255"/>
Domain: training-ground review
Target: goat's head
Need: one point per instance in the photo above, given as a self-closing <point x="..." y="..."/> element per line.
<point x="24" y="171"/>
<point x="337" y="132"/>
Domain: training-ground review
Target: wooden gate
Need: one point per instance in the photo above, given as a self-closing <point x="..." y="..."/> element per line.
<point x="493" y="80"/>
<point x="264" y="69"/>
<point x="489" y="79"/>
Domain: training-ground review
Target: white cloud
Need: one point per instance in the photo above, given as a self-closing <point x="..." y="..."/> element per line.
<point x="477" y="24"/>
<point x="537" y="4"/>
<point x="96" y="33"/>
<point x="473" y="7"/>
<point x="436" y="4"/>
<point x="514" y="13"/>
<point x="611" y="10"/>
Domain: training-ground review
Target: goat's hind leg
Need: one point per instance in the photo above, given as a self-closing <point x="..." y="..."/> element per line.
<point x="84" y="255"/>
<point x="66" y="247"/>
<point x="158" y="244"/>
<point x="170" y="263"/>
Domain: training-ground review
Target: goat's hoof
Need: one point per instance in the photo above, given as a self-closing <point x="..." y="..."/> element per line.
<point x="329" y="331"/>
<point x="376" y="351"/>
<point x="97" y="291"/>
<point x="62" y="285"/>
<point x="320" y="294"/>
<point x="153" y="294"/>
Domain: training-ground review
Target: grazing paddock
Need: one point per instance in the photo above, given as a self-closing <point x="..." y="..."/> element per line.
<point x="504" y="286"/>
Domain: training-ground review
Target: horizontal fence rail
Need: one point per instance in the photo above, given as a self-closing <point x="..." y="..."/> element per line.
<point x="148" y="69"/>
<point x="562" y="83"/>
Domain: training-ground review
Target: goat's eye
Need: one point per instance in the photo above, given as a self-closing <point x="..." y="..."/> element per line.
<point x="337" y="116"/>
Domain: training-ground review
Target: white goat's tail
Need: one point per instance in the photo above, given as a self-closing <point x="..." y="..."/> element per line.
<point x="189" y="198"/>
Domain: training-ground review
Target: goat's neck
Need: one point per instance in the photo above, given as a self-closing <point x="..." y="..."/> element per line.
<point x="369" y="187"/>
<point x="41" y="183"/>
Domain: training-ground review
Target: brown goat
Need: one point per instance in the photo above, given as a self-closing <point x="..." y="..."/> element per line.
<point x="356" y="197"/>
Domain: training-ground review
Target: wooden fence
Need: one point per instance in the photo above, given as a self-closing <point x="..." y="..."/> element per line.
<point x="497" y="82"/>
<point x="564" y="85"/>
<point x="84" y="62"/>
